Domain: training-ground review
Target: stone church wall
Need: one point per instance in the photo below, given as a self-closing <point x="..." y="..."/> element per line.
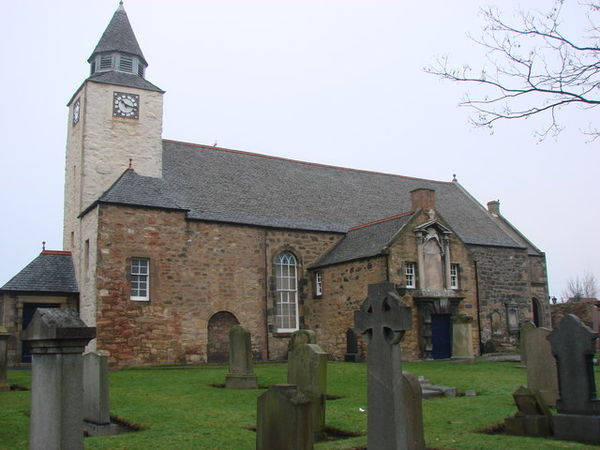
<point x="197" y="269"/>
<point x="504" y="280"/>
<point x="344" y="290"/>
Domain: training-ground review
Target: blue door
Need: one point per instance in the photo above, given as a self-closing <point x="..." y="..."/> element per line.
<point x="440" y="336"/>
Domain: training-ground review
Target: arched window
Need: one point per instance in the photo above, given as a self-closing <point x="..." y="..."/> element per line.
<point x="286" y="286"/>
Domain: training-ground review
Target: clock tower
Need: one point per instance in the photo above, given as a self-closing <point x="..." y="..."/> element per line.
<point x="115" y="117"/>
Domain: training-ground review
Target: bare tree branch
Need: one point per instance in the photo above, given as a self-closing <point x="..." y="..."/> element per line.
<point x="537" y="70"/>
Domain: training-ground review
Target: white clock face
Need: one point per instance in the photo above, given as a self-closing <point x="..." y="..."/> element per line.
<point x="126" y="105"/>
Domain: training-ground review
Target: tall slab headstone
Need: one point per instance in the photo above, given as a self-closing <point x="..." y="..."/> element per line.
<point x="413" y="399"/>
<point x="95" y="389"/>
<point x="284" y="419"/>
<point x="57" y="338"/>
<point x="462" y="338"/>
<point x="307" y="369"/>
<point x="578" y="407"/>
<point x="4" y="335"/>
<point x="524" y="331"/>
<point x="241" y="374"/>
<point x="383" y="320"/>
<point x="542" y="375"/>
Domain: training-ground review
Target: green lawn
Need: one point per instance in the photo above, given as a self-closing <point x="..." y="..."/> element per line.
<point x="180" y="409"/>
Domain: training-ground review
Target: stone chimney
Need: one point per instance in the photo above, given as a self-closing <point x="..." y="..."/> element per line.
<point x="422" y="198"/>
<point x="494" y="207"/>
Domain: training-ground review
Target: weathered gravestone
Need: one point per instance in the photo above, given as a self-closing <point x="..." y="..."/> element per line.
<point x="4" y="335"/>
<point x="284" y="419"/>
<point x="462" y="338"/>
<point x="413" y="401"/>
<point x="241" y="374"/>
<point x="524" y="332"/>
<point x="578" y="417"/>
<point x="533" y="417"/>
<point x="383" y="320"/>
<point x="307" y="369"/>
<point x="541" y="365"/>
<point x="57" y="338"/>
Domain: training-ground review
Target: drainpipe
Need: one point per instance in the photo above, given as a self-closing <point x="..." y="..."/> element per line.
<point x="266" y="278"/>
<point x="478" y="307"/>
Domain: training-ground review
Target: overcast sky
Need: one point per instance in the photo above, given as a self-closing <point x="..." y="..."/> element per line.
<point x="337" y="82"/>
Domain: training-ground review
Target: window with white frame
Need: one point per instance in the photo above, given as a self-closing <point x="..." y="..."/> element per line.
<point x="453" y="276"/>
<point x="140" y="279"/>
<point x="409" y="272"/>
<point x="286" y="286"/>
<point x="318" y="284"/>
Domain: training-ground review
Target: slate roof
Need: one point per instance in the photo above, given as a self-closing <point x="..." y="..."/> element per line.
<point x="136" y="190"/>
<point x="225" y="185"/>
<point x="365" y="241"/>
<point x="51" y="271"/>
<point x="124" y="79"/>
<point x="119" y="37"/>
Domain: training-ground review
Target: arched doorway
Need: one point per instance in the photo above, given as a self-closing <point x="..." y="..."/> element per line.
<point x="218" y="336"/>
<point x="535" y="307"/>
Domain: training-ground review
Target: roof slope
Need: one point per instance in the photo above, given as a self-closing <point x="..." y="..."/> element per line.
<point x="226" y="185"/>
<point x="124" y="79"/>
<point x="365" y="241"/>
<point x="51" y="271"/>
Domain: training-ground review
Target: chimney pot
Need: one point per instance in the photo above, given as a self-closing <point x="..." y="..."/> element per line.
<point x="422" y="198"/>
<point x="494" y="207"/>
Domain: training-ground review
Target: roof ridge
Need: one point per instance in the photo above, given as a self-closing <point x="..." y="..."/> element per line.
<point x="308" y="163"/>
<point x="55" y="252"/>
<point x="386" y="219"/>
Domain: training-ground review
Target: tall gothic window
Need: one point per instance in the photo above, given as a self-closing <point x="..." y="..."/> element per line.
<point x="286" y="286"/>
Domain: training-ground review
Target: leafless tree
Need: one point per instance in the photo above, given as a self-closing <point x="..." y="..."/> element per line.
<point x="533" y="68"/>
<point x="578" y="288"/>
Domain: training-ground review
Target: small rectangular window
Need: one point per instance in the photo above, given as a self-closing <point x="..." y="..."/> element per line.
<point x="318" y="284"/>
<point x="140" y="279"/>
<point x="410" y="275"/>
<point x="453" y="276"/>
<point x="86" y="255"/>
<point x="140" y="70"/>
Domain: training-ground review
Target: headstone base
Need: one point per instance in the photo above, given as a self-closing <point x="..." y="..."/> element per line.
<point x="94" y="429"/>
<point x="535" y="426"/>
<point x="579" y="428"/>
<point x="241" y="381"/>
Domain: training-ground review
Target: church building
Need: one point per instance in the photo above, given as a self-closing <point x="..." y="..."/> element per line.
<point x="168" y="244"/>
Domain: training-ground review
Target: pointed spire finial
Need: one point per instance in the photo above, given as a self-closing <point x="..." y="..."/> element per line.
<point x="43" y="246"/>
<point x="454" y="180"/>
<point x="130" y="164"/>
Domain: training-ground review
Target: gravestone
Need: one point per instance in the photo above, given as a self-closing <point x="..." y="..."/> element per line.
<point x="413" y="401"/>
<point x="524" y="331"/>
<point x="4" y="335"/>
<point x="542" y="375"/>
<point x="578" y="417"/>
<point x="383" y="320"/>
<point x="284" y="420"/>
<point x="241" y="374"/>
<point x="351" y="346"/>
<point x="533" y="417"/>
<point x="57" y="338"/>
<point x="462" y="338"/>
<point x="307" y="369"/>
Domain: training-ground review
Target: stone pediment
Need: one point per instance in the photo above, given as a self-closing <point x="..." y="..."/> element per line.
<point x="433" y="224"/>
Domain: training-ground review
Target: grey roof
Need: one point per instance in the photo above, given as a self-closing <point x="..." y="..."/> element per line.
<point x="119" y="37"/>
<point x="136" y="190"/>
<point x="124" y="79"/>
<point x="230" y="186"/>
<point x="51" y="271"/>
<point x="364" y="242"/>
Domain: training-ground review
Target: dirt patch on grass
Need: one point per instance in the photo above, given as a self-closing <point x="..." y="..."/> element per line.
<point x="330" y="434"/>
<point x="18" y="387"/>
<point x="222" y="386"/>
<point x="333" y="397"/>
<point x="131" y="426"/>
<point x="499" y="428"/>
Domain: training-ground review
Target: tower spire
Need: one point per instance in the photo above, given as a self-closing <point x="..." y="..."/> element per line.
<point x="118" y="49"/>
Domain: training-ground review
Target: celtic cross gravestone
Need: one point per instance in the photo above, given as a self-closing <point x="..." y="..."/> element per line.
<point x="383" y="320"/>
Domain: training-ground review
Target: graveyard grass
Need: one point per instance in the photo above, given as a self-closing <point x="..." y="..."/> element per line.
<point x="179" y="408"/>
